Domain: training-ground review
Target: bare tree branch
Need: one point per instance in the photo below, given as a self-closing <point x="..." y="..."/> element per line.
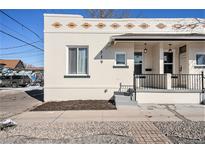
<point x="107" y="13"/>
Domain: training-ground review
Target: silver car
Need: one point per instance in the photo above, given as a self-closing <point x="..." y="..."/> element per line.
<point x="14" y="81"/>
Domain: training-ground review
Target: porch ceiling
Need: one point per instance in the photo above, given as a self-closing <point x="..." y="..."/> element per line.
<point x="159" y="37"/>
<point x="153" y="43"/>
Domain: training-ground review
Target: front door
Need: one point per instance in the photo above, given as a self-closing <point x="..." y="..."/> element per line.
<point x="168" y="62"/>
<point x="138" y="63"/>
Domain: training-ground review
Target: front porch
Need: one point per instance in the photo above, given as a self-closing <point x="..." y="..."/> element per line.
<point x="162" y="89"/>
<point x="164" y="71"/>
<point x="172" y="63"/>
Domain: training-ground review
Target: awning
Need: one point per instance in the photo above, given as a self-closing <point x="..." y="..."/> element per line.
<point x="159" y="37"/>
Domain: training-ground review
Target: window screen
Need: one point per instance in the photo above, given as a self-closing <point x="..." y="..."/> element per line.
<point x="78" y="61"/>
<point x="200" y="59"/>
<point x="120" y="59"/>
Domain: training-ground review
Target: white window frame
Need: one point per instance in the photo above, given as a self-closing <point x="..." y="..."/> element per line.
<point x="116" y="59"/>
<point x="199" y="53"/>
<point x="67" y="60"/>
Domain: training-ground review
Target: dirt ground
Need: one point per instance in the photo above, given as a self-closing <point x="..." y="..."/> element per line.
<point x="77" y="105"/>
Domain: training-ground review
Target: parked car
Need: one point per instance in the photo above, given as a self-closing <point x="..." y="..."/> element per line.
<point x="14" y="81"/>
<point x="38" y="82"/>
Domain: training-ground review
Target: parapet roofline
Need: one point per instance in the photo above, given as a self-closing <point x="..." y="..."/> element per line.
<point x="63" y="15"/>
<point x="130" y="19"/>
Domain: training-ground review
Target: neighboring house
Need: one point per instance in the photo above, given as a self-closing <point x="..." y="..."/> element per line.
<point x="160" y="59"/>
<point x="1" y="68"/>
<point x="12" y="64"/>
<point x="36" y="72"/>
<point x="35" y="69"/>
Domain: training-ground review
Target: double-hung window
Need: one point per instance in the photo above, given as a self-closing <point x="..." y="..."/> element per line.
<point x="200" y="59"/>
<point x="77" y="61"/>
<point x="120" y="59"/>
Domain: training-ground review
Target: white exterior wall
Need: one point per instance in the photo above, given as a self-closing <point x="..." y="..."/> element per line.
<point x="56" y="86"/>
<point x="156" y="55"/>
<point x="193" y="49"/>
<point x="169" y="98"/>
<point x="104" y="79"/>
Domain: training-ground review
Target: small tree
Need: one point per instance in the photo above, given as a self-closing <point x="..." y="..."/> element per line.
<point x="108" y="13"/>
<point x="183" y="25"/>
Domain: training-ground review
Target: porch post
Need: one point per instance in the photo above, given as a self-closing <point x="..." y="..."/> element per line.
<point x="120" y="86"/>
<point x="134" y="85"/>
<point x="202" y="82"/>
<point x="161" y="58"/>
<point x="168" y="81"/>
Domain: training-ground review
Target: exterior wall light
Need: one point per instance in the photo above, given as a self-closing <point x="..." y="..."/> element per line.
<point x="145" y="49"/>
<point x="101" y="56"/>
<point x="170" y="49"/>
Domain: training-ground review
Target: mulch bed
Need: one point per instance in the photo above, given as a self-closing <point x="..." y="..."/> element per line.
<point x="76" y="105"/>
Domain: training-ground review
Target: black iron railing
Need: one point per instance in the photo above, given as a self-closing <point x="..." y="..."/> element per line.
<point x="150" y="81"/>
<point x="169" y="81"/>
<point x="190" y="82"/>
<point x="187" y="81"/>
<point x="180" y="82"/>
<point x="125" y="88"/>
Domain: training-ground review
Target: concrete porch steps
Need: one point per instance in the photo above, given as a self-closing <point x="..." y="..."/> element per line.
<point x="124" y="100"/>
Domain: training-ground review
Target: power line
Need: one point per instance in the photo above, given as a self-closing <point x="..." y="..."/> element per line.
<point x="14" y="31"/>
<point x="21" y="40"/>
<point x="27" y="51"/>
<point x="22" y="56"/>
<point x="20" y="24"/>
<point x="7" y="48"/>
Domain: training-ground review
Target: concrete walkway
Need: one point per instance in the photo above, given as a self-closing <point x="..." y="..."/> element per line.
<point x="143" y="112"/>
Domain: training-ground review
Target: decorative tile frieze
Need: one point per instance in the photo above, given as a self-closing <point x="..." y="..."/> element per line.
<point x="100" y="25"/>
<point x="129" y="25"/>
<point x="144" y="26"/>
<point x="161" y="26"/>
<point x="115" y="25"/>
<point x="71" y="25"/>
<point x="56" y="24"/>
<point x="86" y="25"/>
<point x="192" y="26"/>
<point x="177" y="26"/>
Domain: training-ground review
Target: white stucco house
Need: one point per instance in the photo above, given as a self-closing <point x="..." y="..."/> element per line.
<point x="154" y="60"/>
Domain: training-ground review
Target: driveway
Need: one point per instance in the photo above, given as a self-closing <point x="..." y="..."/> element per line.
<point x="17" y="100"/>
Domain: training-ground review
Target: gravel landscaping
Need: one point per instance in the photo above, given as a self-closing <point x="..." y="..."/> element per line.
<point x="95" y="139"/>
<point x="85" y="132"/>
<point x="183" y="132"/>
<point x="76" y="105"/>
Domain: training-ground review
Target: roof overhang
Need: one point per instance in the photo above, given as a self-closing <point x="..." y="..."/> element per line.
<point x="159" y="37"/>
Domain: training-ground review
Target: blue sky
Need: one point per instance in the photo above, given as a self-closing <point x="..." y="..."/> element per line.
<point x="34" y="20"/>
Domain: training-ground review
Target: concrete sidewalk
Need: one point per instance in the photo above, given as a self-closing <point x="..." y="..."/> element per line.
<point x="126" y="113"/>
